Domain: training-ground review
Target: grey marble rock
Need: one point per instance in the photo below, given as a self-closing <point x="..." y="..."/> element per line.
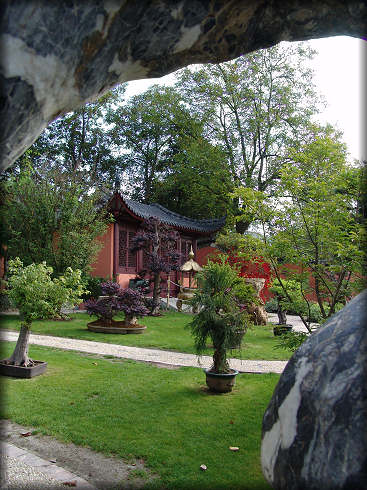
<point x="57" y="55"/>
<point x="315" y="427"/>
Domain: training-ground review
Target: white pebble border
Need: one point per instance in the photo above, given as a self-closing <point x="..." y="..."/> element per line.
<point x="147" y="355"/>
<point x="24" y="470"/>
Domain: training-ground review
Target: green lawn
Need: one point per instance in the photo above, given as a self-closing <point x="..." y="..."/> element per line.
<point x="164" y="332"/>
<point x="135" y="410"/>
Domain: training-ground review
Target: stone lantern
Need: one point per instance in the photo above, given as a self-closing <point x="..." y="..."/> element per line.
<point x="190" y="267"/>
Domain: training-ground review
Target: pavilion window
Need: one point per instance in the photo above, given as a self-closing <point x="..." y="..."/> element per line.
<point x="126" y="259"/>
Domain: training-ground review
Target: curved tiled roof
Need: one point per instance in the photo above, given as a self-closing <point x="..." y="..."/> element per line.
<point x="174" y="219"/>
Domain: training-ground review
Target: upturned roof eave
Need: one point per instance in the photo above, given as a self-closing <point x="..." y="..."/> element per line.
<point x="140" y="217"/>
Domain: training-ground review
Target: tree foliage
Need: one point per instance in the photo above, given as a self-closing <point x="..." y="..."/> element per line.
<point x="147" y="127"/>
<point x="158" y="242"/>
<point x="314" y="221"/>
<point x="78" y="143"/>
<point x="38" y="296"/>
<point x="197" y="183"/>
<point x="51" y="218"/>
<point x="255" y="107"/>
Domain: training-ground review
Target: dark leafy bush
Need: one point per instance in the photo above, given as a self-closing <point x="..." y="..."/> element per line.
<point x="110" y="288"/>
<point x="104" y="308"/>
<point x="93" y="286"/>
<point x="271" y="305"/>
<point x="5" y="303"/>
<point x="131" y="302"/>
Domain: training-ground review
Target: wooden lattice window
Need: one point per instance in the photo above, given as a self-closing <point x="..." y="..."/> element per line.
<point x="126" y="259"/>
<point x="131" y="257"/>
<point x="122" y="248"/>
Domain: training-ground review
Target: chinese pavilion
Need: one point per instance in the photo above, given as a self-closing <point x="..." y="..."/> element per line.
<point x="115" y="260"/>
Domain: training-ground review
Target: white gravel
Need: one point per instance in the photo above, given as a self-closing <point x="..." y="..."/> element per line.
<point x="22" y="469"/>
<point x="147" y="355"/>
<point x="18" y="475"/>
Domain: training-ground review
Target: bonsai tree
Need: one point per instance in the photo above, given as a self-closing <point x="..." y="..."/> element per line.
<point x="38" y="296"/>
<point x="131" y="302"/>
<point x="107" y="305"/>
<point x="288" y="295"/>
<point x="158" y="242"/>
<point x="221" y="300"/>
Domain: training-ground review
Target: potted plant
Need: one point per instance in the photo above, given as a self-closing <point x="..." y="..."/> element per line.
<point x="104" y="308"/>
<point x="283" y="304"/>
<point x="222" y="319"/>
<point x="114" y="299"/>
<point x="37" y="296"/>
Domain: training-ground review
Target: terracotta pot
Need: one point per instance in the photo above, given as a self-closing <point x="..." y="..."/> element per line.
<point x="220" y="383"/>
<point x="23" y="371"/>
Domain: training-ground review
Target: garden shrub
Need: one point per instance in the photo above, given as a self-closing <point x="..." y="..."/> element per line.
<point x="291" y="340"/>
<point x="5" y="303"/>
<point x="106" y="306"/>
<point x="113" y="300"/>
<point x="271" y="305"/>
<point x="93" y="285"/>
<point x="313" y="316"/>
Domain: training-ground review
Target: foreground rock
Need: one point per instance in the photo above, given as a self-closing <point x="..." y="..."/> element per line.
<point x="58" y="55"/>
<point x="314" y="430"/>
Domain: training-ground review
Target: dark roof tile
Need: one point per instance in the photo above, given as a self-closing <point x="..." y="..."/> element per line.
<point x="174" y="219"/>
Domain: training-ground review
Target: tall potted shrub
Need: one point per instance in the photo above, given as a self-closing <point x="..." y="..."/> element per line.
<point x="37" y="296"/>
<point x="221" y="300"/>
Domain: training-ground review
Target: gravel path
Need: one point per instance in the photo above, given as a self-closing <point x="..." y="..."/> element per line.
<point x="24" y="470"/>
<point x="147" y="355"/>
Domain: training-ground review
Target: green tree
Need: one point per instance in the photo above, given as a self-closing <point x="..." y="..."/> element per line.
<point x="314" y="221"/>
<point x="78" y="143"/>
<point x="197" y="183"/>
<point x="51" y="218"/>
<point x="38" y="296"/>
<point x="256" y="108"/>
<point x="148" y="128"/>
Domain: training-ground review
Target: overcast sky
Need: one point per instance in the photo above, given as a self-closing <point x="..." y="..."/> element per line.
<point x="338" y="77"/>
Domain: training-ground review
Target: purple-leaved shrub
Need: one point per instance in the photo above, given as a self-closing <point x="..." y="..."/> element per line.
<point x="132" y="304"/>
<point x="116" y="299"/>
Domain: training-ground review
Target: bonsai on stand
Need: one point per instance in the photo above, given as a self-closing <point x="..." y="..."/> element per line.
<point x="36" y="296"/>
<point x="222" y="318"/>
<point x="115" y="300"/>
<point x="105" y="307"/>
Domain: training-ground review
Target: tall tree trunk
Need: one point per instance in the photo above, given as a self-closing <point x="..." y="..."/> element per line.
<point x="20" y="354"/>
<point x="156" y="291"/>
